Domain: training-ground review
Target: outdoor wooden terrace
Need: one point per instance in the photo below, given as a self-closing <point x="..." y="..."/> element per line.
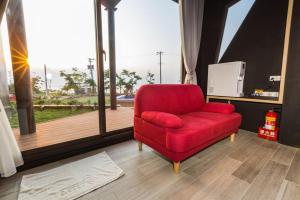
<point x="73" y="128"/>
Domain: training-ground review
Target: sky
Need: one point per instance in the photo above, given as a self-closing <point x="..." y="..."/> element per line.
<point x="235" y="17"/>
<point x="63" y="37"/>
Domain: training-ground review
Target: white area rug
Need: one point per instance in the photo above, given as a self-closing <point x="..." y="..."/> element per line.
<point x="70" y="181"/>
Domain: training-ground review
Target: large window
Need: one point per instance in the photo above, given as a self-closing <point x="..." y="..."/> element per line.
<point x="148" y="49"/>
<point x="61" y="45"/>
<point x="61" y="55"/>
<point x="7" y="81"/>
<point x="236" y="14"/>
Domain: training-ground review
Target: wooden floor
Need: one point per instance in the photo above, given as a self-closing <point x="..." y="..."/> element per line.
<point x="73" y="128"/>
<point x="249" y="168"/>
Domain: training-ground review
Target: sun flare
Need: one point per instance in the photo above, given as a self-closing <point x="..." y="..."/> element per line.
<point x="20" y="59"/>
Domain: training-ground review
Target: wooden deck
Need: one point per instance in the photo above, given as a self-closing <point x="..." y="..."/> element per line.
<point x="73" y="128"/>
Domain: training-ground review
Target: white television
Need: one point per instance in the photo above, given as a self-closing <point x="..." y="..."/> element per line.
<point x="226" y="79"/>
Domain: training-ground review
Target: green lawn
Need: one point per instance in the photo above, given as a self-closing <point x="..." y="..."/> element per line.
<point x="48" y="115"/>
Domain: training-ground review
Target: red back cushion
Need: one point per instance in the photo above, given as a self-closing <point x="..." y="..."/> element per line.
<point x="219" y="108"/>
<point x="169" y="98"/>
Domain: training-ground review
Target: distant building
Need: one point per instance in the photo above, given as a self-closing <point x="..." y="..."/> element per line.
<point x="87" y="89"/>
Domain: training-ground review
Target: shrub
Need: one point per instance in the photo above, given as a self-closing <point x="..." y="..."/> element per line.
<point x="73" y="102"/>
<point x="40" y="102"/>
<point x="56" y="101"/>
<point x="88" y="102"/>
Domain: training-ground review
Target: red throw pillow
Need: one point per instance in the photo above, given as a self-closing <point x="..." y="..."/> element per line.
<point x="162" y="119"/>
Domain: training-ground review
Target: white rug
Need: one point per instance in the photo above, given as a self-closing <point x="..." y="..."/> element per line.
<point x="70" y="181"/>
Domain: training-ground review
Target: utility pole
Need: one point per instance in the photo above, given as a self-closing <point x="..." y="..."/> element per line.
<point x="46" y="80"/>
<point x="160" y="54"/>
<point x="91" y="68"/>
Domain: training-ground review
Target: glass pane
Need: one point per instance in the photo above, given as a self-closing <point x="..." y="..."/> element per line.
<point x="61" y="47"/>
<point x="7" y="90"/>
<point x="235" y="16"/>
<point x="148" y="49"/>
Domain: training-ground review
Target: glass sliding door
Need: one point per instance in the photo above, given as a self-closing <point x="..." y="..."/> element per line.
<point x="142" y="40"/>
<point x="7" y="89"/>
<point x="83" y="86"/>
<point x="64" y="67"/>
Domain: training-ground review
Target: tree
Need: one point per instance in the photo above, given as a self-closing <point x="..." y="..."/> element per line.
<point x="36" y="83"/>
<point x="90" y="82"/>
<point x="150" y="78"/>
<point x="129" y="80"/>
<point x="120" y="83"/>
<point x="74" y="80"/>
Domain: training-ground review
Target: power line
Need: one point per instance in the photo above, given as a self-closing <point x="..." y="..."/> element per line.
<point x="172" y="54"/>
<point x="147" y="55"/>
<point x="136" y="55"/>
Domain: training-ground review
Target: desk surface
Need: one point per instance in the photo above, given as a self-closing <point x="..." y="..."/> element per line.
<point x="270" y="100"/>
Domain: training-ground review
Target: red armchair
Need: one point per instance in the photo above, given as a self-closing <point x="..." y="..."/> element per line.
<point x="175" y="120"/>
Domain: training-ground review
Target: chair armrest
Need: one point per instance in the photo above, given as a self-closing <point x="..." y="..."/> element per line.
<point x="163" y="119"/>
<point x="219" y="108"/>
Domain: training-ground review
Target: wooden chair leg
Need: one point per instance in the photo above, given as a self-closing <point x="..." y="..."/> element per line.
<point x="232" y="137"/>
<point x="140" y="144"/>
<point x="176" y="166"/>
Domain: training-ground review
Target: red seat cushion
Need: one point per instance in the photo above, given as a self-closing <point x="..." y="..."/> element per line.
<point x="162" y="119"/>
<point x="200" y="128"/>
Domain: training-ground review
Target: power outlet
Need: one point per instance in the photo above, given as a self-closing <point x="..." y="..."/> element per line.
<point x="274" y="78"/>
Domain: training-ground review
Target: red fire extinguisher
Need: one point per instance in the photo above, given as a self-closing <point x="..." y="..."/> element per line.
<point x="271" y="119"/>
<point x="270" y="130"/>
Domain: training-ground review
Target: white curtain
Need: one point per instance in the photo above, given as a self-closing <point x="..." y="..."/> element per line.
<point x="191" y="18"/>
<point x="10" y="155"/>
<point x="3" y="4"/>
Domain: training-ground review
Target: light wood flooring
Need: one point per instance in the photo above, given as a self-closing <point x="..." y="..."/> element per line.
<point x="249" y="168"/>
